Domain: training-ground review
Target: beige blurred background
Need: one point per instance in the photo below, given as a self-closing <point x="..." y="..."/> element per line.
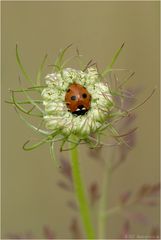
<point x="30" y="195"/>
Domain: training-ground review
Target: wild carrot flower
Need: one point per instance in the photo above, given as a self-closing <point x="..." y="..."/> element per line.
<point x="92" y="97"/>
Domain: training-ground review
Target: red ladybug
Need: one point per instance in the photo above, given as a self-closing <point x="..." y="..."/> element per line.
<point x="78" y="99"/>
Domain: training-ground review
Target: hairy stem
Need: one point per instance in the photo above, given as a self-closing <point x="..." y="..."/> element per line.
<point x="102" y="221"/>
<point x="80" y="195"/>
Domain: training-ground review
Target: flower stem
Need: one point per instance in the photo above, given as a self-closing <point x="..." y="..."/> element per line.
<point x="102" y="221"/>
<point x="80" y="195"/>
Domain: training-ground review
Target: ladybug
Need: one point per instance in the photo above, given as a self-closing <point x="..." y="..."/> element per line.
<point x="78" y="99"/>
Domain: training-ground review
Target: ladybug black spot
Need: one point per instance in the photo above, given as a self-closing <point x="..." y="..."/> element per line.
<point x="84" y="95"/>
<point x="73" y="98"/>
<point x="68" y="90"/>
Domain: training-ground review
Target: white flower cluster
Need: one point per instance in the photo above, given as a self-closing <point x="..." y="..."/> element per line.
<point x="57" y="116"/>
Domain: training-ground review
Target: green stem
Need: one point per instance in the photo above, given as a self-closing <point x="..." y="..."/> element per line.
<point x="80" y="194"/>
<point x="102" y="221"/>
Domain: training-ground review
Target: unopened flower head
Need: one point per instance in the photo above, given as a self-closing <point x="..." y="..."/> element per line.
<point x="72" y="104"/>
<point x="57" y="114"/>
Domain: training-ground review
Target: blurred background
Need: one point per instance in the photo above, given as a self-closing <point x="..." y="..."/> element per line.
<point x="31" y="197"/>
